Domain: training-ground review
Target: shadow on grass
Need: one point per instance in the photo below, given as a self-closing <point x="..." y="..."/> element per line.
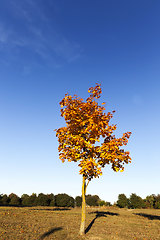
<point x="36" y="207"/>
<point x="99" y="214"/>
<point x="52" y="209"/>
<point x="150" y="217"/>
<point x="50" y="232"/>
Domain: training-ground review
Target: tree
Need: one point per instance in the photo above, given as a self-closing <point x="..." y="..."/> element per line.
<point x="14" y="199"/>
<point x="136" y="201"/>
<point x="157" y="201"/>
<point x="123" y="201"/>
<point x="86" y="125"/>
<point x="102" y="203"/>
<point x="151" y="200"/>
<point x="42" y="200"/>
<point x="5" y="200"/>
<point x="78" y="201"/>
<point x="51" y="199"/>
<point x="108" y="204"/>
<point x="1" y="196"/>
<point x="32" y="201"/>
<point x="92" y="200"/>
<point x="64" y="200"/>
<point x="25" y="200"/>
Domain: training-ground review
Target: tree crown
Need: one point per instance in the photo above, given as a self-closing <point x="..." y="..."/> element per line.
<point x="86" y="122"/>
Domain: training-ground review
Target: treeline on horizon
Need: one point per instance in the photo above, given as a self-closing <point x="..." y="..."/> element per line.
<point x="59" y="200"/>
<point x="64" y="200"/>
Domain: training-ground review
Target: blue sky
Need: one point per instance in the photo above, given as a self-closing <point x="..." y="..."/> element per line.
<point x="49" y="48"/>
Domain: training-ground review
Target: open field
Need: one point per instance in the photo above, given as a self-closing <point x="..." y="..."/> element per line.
<point x="101" y="223"/>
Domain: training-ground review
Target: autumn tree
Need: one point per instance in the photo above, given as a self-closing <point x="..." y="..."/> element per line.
<point x="86" y="125"/>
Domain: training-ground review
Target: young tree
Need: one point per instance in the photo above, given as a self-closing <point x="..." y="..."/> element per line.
<point x="86" y="124"/>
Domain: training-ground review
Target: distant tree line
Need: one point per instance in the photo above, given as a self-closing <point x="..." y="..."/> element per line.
<point x="64" y="200"/>
<point x="134" y="201"/>
<point x="59" y="200"/>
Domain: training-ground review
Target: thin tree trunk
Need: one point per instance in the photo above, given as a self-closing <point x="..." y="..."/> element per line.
<point x="82" y="227"/>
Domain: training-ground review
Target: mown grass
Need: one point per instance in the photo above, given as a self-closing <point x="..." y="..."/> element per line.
<point x="101" y="223"/>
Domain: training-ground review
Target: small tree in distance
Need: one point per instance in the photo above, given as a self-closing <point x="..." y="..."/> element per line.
<point x="14" y="199"/>
<point x="92" y="200"/>
<point x="86" y="123"/>
<point x="102" y="203"/>
<point x="136" y="201"/>
<point x="78" y="201"/>
<point x="151" y="200"/>
<point x="123" y="201"/>
<point x="64" y="200"/>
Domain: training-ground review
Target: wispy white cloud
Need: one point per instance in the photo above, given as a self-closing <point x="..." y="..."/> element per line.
<point x="48" y="41"/>
<point x="38" y="35"/>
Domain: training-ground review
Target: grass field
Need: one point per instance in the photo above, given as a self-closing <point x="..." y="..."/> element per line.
<point x="101" y="223"/>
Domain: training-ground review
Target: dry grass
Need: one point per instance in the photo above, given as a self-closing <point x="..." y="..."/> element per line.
<point x="103" y="223"/>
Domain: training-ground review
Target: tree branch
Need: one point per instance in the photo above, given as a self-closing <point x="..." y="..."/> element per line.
<point x="86" y="185"/>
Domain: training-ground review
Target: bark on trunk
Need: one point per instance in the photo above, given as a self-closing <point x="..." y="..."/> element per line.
<point x="82" y="227"/>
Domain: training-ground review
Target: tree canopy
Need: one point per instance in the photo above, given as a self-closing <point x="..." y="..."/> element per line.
<point x="86" y="122"/>
<point x="123" y="201"/>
